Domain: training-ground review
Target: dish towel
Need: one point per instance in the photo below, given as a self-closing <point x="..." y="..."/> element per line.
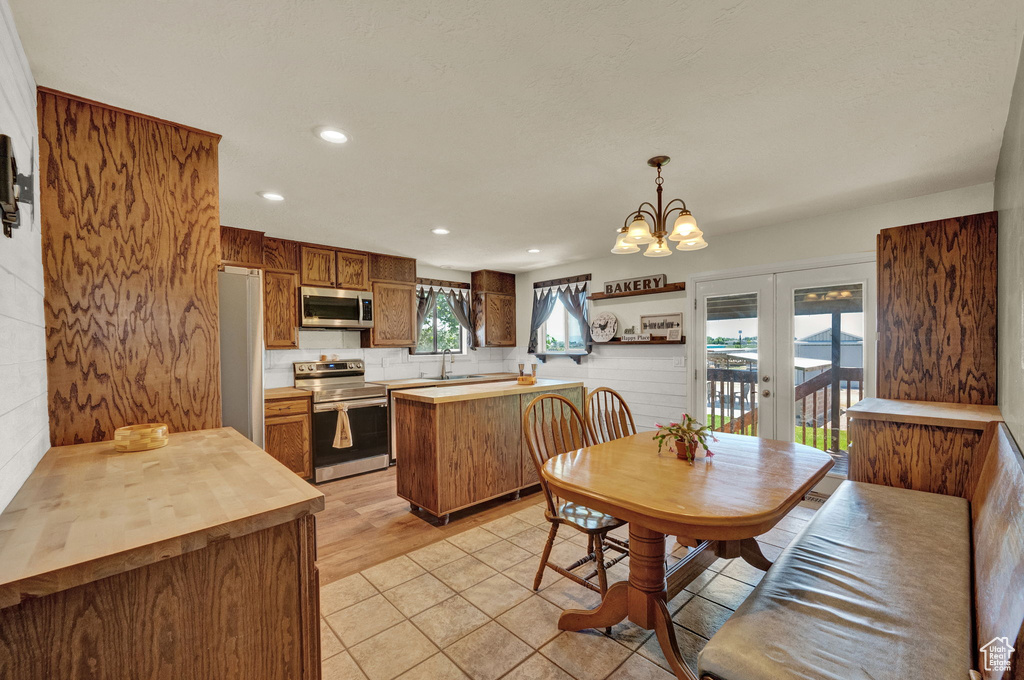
<point x="343" y="430"/>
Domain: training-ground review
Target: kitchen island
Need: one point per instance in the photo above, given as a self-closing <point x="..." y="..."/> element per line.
<point x="460" y="445"/>
<point x="195" y="560"/>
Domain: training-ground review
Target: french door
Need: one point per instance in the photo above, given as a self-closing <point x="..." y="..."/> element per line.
<point x="784" y="355"/>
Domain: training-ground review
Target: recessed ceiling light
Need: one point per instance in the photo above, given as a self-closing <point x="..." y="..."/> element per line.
<point x="533" y="251"/>
<point x="440" y="231"/>
<point x="271" y="196"/>
<point x="332" y="135"/>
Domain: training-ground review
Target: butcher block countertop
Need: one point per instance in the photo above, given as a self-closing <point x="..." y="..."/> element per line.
<point x="449" y="393"/>
<point x="285" y="393"/>
<point x="429" y="382"/>
<point x="88" y="512"/>
<point x="965" y="416"/>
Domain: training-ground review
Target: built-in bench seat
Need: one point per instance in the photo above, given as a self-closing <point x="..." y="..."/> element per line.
<point x="879" y="585"/>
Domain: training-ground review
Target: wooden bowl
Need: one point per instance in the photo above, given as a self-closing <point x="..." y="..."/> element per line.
<point x="140" y="437"/>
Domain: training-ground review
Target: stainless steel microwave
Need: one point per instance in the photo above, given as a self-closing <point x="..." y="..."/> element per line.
<point x="334" y="308"/>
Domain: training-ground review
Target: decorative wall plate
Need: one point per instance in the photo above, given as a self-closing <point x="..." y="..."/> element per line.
<point x="603" y="326"/>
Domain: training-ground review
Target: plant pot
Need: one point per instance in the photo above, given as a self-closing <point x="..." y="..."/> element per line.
<point x="689" y="450"/>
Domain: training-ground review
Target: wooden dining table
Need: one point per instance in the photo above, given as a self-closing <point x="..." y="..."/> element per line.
<point x="716" y="505"/>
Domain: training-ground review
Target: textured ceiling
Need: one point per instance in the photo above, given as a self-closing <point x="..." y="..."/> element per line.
<point x="527" y="123"/>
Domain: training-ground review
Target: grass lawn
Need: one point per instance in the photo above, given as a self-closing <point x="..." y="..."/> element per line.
<point x="820" y="442"/>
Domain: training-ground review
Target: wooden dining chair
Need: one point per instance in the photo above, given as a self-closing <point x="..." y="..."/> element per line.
<point x="553" y="425"/>
<point x="608" y="416"/>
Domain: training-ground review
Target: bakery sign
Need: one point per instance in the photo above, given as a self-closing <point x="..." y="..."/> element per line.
<point x="635" y="285"/>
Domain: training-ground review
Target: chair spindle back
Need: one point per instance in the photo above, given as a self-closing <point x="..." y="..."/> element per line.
<point x="608" y="416"/>
<point x="552" y="425"/>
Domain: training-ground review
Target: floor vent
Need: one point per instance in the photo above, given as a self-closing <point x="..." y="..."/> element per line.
<point x="815" y="497"/>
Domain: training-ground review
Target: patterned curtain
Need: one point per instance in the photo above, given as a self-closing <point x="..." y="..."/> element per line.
<point x="461" y="307"/>
<point x="575" y="301"/>
<point x="543" y="305"/>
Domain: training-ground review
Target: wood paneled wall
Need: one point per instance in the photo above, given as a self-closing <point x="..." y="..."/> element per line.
<point x="130" y="224"/>
<point x="937" y="311"/>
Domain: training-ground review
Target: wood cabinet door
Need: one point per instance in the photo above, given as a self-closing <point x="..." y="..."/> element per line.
<point x="279" y="253"/>
<point x="280" y="310"/>
<point x="288" y="439"/>
<point x="394" y="315"/>
<point x="499" y="320"/>
<point x="352" y="270"/>
<point x="241" y="247"/>
<point x="318" y="267"/>
<point x="392" y="268"/>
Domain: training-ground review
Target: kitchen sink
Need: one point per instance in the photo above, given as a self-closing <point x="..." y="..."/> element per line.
<point x="454" y="377"/>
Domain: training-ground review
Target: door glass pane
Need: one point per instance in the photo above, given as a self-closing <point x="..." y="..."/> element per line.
<point x="828" y="365"/>
<point x="732" y="358"/>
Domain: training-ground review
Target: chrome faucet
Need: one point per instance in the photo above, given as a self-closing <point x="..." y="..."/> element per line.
<point x="444" y="368"/>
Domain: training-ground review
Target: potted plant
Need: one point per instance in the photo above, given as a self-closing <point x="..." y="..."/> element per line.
<point x="689" y="437"/>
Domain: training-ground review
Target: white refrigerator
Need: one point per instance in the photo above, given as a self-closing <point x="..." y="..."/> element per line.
<point x="241" y="350"/>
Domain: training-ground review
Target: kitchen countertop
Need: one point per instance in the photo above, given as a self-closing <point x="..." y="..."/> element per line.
<point x="966" y="416"/>
<point x="430" y="382"/>
<point x="88" y="512"/>
<point x="449" y="393"/>
<point x="285" y="393"/>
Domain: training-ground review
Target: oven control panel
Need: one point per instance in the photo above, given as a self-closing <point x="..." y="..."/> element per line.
<point x="329" y="368"/>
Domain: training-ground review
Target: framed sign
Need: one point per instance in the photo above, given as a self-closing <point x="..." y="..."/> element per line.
<point x="634" y="285"/>
<point x="668" y="326"/>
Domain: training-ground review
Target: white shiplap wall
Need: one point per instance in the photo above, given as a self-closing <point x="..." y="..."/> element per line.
<point x="24" y="432"/>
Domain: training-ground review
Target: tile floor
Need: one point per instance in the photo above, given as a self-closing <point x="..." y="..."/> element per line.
<point x="464" y="608"/>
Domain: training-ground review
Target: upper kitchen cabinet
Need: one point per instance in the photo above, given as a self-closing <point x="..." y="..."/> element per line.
<point x="241" y="247"/>
<point x="392" y="268"/>
<point x="280" y="254"/>
<point x="353" y="270"/>
<point x="494" y="308"/>
<point x="394" y="315"/>
<point x="280" y="309"/>
<point x="319" y="267"/>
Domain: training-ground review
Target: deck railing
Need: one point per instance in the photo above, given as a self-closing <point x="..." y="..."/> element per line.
<point x="820" y="416"/>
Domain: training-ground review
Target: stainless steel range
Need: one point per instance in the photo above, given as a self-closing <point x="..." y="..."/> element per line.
<point x="340" y="383"/>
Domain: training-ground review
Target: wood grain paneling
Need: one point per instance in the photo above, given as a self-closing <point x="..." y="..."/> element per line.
<point x="280" y="254"/>
<point x="488" y="281"/>
<point x="394" y="315"/>
<point x="241" y="247"/>
<point x="318" y="267"/>
<point x="353" y="270"/>
<point x="392" y="268"/>
<point x="480" y="441"/>
<point x="937" y="311"/>
<point x="416" y="452"/>
<point x="280" y="310"/>
<point x="288" y="439"/>
<point x="130" y="217"/>
<point x="232" y="611"/>
<point x="910" y="456"/>
<point x="495" y="319"/>
<point x="997" y="519"/>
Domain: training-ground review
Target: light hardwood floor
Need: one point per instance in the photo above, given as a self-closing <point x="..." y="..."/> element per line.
<point x="365" y="523"/>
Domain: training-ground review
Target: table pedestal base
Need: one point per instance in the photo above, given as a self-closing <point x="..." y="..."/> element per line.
<point x="643" y="598"/>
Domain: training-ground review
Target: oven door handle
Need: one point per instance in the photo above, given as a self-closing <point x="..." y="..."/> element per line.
<point x="358" y="403"/>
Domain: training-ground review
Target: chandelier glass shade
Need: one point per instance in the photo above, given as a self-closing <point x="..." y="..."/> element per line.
<point x="638" y="230"/>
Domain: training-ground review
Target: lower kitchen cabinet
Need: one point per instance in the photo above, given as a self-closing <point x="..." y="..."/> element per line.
<point x="288" y="434"/>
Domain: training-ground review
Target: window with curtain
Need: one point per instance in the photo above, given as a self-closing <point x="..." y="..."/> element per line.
<point x="439" y="325"/>
<point x="565" y="331"/>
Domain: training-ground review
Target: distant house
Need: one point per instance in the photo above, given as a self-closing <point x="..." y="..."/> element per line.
<point x="819" y="346"/>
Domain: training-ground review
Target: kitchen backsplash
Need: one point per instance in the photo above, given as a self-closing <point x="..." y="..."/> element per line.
<point x="381" y="364"/>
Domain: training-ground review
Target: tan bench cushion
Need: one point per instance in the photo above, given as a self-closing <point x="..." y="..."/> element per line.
<point x="877" y="585"/>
